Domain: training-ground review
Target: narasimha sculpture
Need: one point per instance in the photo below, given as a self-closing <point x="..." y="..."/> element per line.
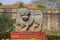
<point x="28" y="20"/>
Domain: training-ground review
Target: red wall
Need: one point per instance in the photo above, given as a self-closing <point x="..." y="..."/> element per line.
<point x="28" y="35"/>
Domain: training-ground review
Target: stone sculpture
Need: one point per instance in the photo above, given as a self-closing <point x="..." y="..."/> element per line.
<point x="26" y="18"/>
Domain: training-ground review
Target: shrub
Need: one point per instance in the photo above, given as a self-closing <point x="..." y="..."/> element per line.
<point x="6" y="23"/>
<point x="41" y="6"/>
<point x="21" y="5"/>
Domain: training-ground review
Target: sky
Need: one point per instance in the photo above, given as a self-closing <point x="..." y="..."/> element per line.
<point x="13" y="1"/>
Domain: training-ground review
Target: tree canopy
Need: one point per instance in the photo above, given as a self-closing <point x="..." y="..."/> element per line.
<point x="21" y="4"/>
<point x="0" y="4"/>
<point x="41" y="6"/>
<point x="52" y="0"/>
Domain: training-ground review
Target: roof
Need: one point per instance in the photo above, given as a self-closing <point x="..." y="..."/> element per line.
<point x="16" y="5"/>
<point x="30" y="5"/>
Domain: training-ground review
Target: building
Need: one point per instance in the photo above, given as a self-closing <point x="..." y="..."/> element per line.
<point x="11" y="9"/>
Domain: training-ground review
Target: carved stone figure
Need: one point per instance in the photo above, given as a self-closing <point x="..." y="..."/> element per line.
<point x="38" y="19"/>
<point x="26" y="19"/>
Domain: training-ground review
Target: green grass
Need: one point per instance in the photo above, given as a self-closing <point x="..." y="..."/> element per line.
<point x="52" y="32"/>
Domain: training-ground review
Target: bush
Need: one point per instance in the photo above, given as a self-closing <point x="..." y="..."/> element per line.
<point x="41" y="6"/>
<point x="21" y="5"/>
<point x="0" y="4"/>
<point x="6" y="23"/>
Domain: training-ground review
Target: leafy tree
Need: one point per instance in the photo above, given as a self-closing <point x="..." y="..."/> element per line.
<point x="0" y="4"/>
<point x="21" y="4"/>
<point x="52" y="0"/>
<point x="6" y="23"/>
<point x="41" y="6"/>
<point x="38" y="1"/>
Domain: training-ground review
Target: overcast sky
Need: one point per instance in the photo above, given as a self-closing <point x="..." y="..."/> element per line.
<point x="14" y="1"/>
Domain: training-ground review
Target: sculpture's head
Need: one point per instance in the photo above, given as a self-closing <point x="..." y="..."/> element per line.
<point x="25" y="14"/>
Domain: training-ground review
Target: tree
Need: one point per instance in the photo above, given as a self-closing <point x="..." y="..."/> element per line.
<point x="38" y="1"/>
<point x="58" y="4"/>
<point x="0" y="4"/>
<point x="52" y="0"/>
<point x="42" y="1"/>
<point x="6" y="23"/>
<point x="49" y="3"/>
<point x="20" y="4"/>
<point x="41" y="6"/>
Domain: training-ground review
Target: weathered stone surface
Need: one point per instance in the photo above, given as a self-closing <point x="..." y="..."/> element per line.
<point x="33" y="22"/>
<point x="50" y="22"/>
